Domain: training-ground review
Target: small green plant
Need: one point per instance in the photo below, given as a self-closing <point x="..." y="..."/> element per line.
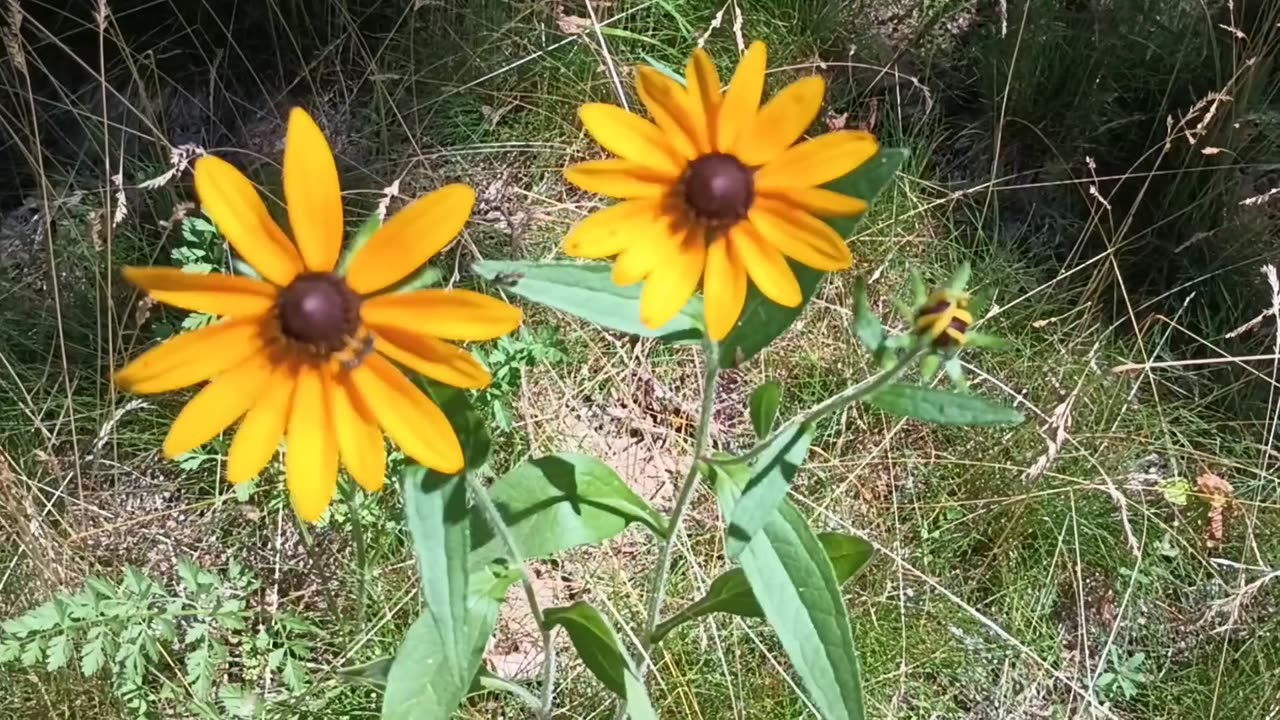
<point x="201" y="250"/>
<point x="1125" y="678"/>
<point x="163" y="645"/>
<point x="508" y="359"/>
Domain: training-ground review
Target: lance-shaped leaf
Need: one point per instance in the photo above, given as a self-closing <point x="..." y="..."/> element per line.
<point x="768" y="479"/>
<point x="764" y="407"/>
<point x="587" y="291"/>
<point x="597" y="644"/>
<point x="434" y="665"/>
<point x="557" y="502"/>
<point x="795" y="585"/>
<point x="942" y="407"/>
<point x="731" y="593"/>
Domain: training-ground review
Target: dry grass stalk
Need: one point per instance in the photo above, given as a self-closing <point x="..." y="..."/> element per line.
<point x="22" y="520"/>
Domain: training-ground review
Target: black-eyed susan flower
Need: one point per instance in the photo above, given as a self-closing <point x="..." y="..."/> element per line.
<point x="944" y="319"/>
<point x="715" y="190"/>
<point x="306" y="354"/>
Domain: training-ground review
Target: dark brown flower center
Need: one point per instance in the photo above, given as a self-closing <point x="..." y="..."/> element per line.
<point x="319" y="310"/>
<point x="718" y="189"/>
<point x="955" y="323"/>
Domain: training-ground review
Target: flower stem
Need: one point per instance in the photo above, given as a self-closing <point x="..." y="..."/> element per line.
<point x="835" y="402"/>
<point x="662" y="572"/>
<point x="481" y="496"/>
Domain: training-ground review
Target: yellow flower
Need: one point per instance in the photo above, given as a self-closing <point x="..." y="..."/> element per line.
<point x="945" y="319"/>
<point x="716" y="191"/>
<point x="306" y="355"/>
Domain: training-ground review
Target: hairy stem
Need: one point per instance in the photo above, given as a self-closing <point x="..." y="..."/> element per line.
<point x="481" y="496"/>
<point x="832" y="404"/>
<point x="662" y="572"/>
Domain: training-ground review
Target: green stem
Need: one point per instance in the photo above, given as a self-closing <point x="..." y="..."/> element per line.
<point x="662" y="572"/>
<point x="481" y="496"/>
<point x="352" y="499"/>
<point x="830" y="405"/>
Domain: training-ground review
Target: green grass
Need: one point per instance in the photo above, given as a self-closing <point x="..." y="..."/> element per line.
<point x="998" y="591"/>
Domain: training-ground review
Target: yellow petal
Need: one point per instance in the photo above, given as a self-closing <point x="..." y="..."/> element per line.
<point x="821" y="202"/>
<point x="724" y="288"/>
<point x="646" y="251"/>
<point x="766" y="266"/>
<point x="448" y="314"/>
<point x="217" y="405"/>
<point x="619" y="178"/>
<point x="408" y="416"/>
<point x="226" y="295"/>
<point x="781" y="122"/>
<point x="360" y="443"/>
<point x="671" y="283"/>
<point x="608" y="232"/>
<point x="433" y="358"/>
<point x="801" y="236"/>
<point x="672" y="109"/>
<point x="742" y="99"/>
<point x="311" y="451"/>
<point x="263" y="426"/>
<point x="704" y="92"/>
<point x="239" y="214"/>
<point x="412" y="237"/>
<point x="817" y="161"/>
<point x="191" y="357"/>
<point x="630" y="137"/>
<point x="312" y="193"/>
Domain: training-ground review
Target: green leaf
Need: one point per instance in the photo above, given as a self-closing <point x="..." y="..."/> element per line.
<point x="1176" y="490"/>
<point x="586" y="290"/>
<point x="557" y="502"/>
<point x="796" y="587"/>
<point x="919" y="293"/>
<point x="32" y="652"/>
<point x="731" y="593"/>
<point x="982" y="341"/>
<point x="59" y="652"/>
<point x="769" y="478"/>
<point x="423" y="683"/>
<point x="866" y="325"/>
<point x="373" y="673"/>
<point x="929" y="367"/>
<point x="359" y="240"/>
<point x="10" y="649"/>
<point x="663" y="68"/>
<point x="434" y="665"/>
<point x="942" y="407"/>
<point x="100" y="587"/>
<point x="238" y="701"/>
<point x="92" y="657"/>
<point x="764" y="407"/>
<point x="959" y="278"/>
<point x="424" y="277"/>
<point x="955" y="373"/>
<point x="848" y="554"/>
<point x="597" y="644"/>
<point x="762" y="320"/>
